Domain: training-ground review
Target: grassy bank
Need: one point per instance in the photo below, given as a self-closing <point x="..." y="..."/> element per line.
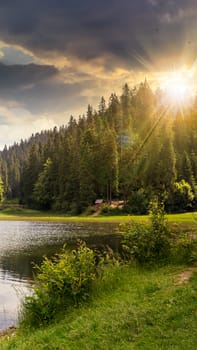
<point x="34" y="215"/>
<point x="85" y="301"/>
<point x="130" y="308"/>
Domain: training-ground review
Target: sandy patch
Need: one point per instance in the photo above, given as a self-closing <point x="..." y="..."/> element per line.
<point x="184" y="277"/>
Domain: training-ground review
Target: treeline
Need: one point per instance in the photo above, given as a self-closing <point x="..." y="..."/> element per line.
<point x="132" y="148"/>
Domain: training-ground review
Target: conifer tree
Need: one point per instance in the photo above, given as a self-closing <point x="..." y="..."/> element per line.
<point x="1" y="189"/>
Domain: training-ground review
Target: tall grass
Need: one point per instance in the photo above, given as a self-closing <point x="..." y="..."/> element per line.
<point x="130" y="308"/>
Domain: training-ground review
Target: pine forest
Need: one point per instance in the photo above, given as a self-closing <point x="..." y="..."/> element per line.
<point x="132" y="148"/>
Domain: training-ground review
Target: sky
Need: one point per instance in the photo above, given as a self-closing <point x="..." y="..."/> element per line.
<point x="58" y="56"/>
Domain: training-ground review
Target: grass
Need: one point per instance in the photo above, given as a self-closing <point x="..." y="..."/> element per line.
<point x="131" y="308"/>
<point x="35" y="215"/>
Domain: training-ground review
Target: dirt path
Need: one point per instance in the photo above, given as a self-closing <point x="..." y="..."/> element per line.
<point x="184" y="277"/>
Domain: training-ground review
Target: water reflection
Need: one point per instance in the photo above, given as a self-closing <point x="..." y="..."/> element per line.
<point x="23" y="244"/>
<point x="11" y="295"/>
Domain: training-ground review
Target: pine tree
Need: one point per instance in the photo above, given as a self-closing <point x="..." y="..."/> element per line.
<point x="1" y="189"/>
<point x="43" y="188"/>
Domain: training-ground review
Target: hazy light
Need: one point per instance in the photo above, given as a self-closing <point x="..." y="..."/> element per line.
<point x="176" y="86"/>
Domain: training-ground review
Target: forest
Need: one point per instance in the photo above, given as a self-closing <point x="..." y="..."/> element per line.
<point x="132" y="148"/>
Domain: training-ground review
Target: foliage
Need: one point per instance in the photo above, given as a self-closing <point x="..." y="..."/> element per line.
<point x="107" y="210"/>
<point x="64" y="281"/>
<point x="181" y="197"/>
<point x="137" y="202"/>
<point x="185" y="250"/>
<point x="89" y="211"/>
<point x="147" y="243"/>
<point x="1" y="189"/>
<point x="131" y="148"/>
<point x="42" y="192"/>
<point x="131" y="308"/>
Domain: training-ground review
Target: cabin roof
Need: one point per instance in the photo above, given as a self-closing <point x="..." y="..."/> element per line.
<point x="99" y="201"/>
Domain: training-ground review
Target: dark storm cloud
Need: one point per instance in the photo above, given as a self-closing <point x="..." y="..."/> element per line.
<point x="88" y="29"/>
<point x="128" y="34"/>
<point x="83" y="49"/>
<point x="55" y="97"/>
<point x="39" y="88"/>
<point x="22" y="76"/>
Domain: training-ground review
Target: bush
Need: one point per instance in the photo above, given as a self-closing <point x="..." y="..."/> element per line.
<point x="185" y="250"/>
<point x="181" y="198"/>
<point x="66" y="280"/>
<point x="89" y="211"/>
<point x="137" y="203"/>
<point x="147" y="243"/>
<point x="107" y="210"/>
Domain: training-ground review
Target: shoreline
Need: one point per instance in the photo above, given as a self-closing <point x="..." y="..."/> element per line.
<point x="190" y="217"/>
<point x="8" y="332"/>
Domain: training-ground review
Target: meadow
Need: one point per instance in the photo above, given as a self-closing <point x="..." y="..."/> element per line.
<point x="18" y="213"/>
<point x="130" y="308"/>
<point x="141" y="301"/>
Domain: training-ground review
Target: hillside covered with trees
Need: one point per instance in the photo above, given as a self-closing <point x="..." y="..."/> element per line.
<point x="132" y="148"/>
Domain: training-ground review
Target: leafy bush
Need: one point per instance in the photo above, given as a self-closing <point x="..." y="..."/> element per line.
<point x="89" y="211"/>
<point x="146" y="243"/>
<point x="66" y="280"/>
<point x="106" y="210"/>
<point x="185" y="250"/>
<point x="137" y="203"/>
<point x="181" y="198"/>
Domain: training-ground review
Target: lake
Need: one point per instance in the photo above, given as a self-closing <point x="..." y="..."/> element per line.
<point x="24" y="243"/>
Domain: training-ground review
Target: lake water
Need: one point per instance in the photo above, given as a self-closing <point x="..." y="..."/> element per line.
<point x="24" y="243"/>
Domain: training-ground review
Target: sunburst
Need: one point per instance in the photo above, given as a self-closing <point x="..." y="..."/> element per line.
<point x="177" y="86"/>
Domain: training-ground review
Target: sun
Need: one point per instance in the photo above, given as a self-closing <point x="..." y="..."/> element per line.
<point x="176" y="86"/>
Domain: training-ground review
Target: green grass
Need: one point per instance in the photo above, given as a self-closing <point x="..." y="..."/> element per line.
<point x="130" y="308"/>
<point x="33" y="215"/>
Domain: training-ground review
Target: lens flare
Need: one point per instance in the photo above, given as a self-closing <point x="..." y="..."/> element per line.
<point x="176" y="86"/>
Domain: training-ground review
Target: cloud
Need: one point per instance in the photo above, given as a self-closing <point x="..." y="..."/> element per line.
<point x="43" y="90"/>
<point x="153" y="2"/>
<point x="22" y="76"/>
<point x="12" y="55"/>
<point x="58" y="55"/>
<point x="89" y="29"/>
<point x="14" y="123"/>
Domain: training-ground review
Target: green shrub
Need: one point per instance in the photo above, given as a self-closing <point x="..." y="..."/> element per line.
<point x="146" y="243"/>
<point x="181" y="198"/>
<point x="110" y="211"/>
<point x="89" y="211"/>
<point x="137" y="202"/>
<point x="66" y="280"/>
<point x="185" y="250"/>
